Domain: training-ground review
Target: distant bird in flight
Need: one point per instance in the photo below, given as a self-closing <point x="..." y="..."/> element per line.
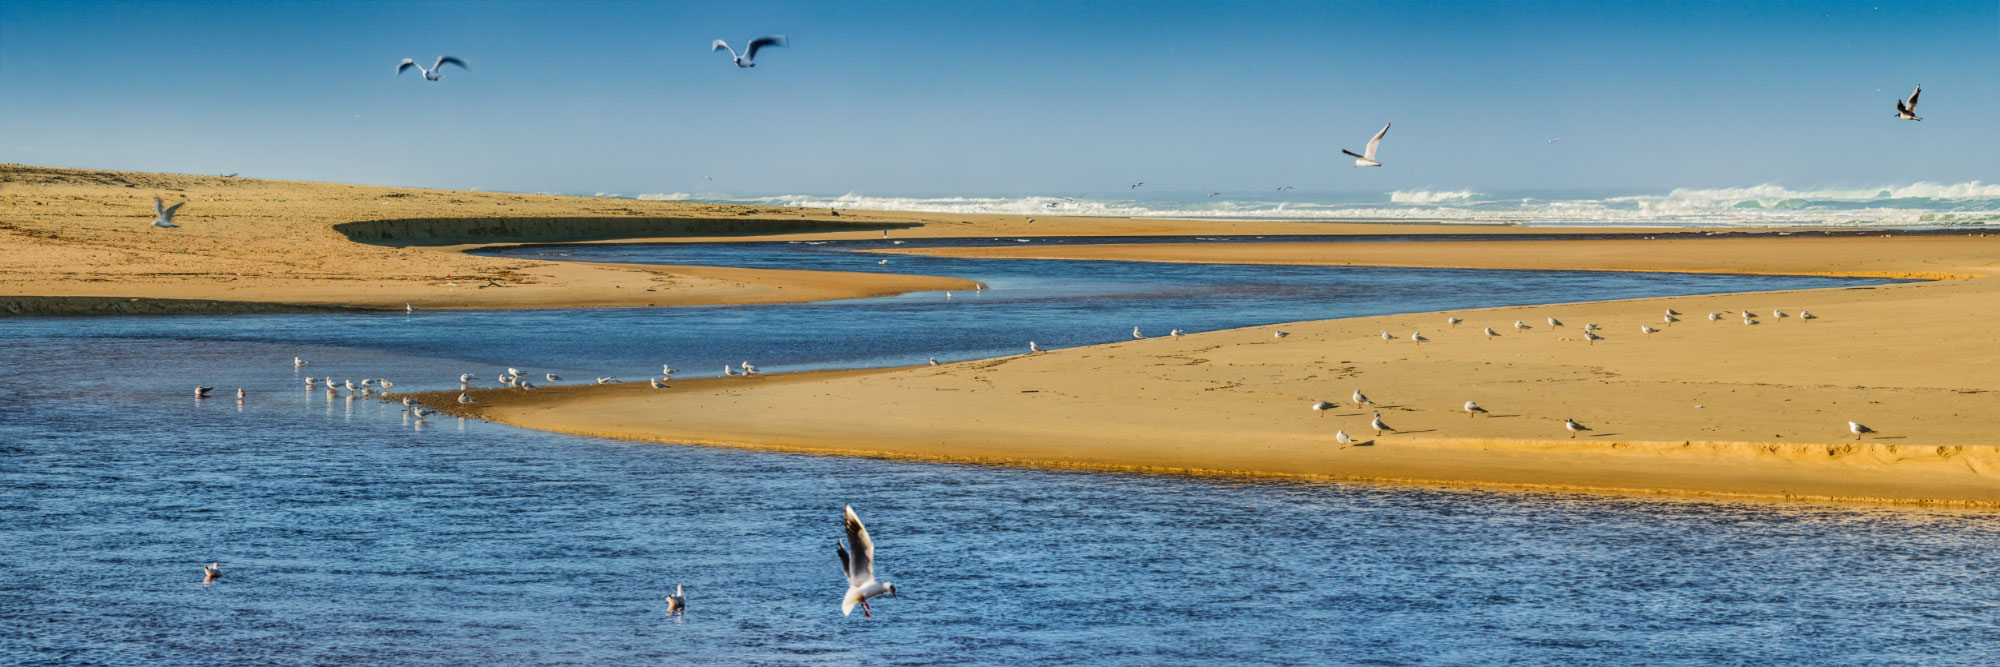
<point x="1367" y="159"/>
<point x="1553" y="139"/>
<point x="1908" y="111"/>
<point x="1283" y="188"/>
<point x="750" y="50"/>
<point x="1211" y="194"/>
<point x="163" y="214"/>
<point x="432" y="74"/>
<point x="1135" y="186"/>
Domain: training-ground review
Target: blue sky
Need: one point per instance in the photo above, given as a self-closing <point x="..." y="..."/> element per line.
<point x="925" y="98"/>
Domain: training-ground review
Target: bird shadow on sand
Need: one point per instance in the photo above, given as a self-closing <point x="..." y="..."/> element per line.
<point x="1366" y="443"/>
<point x="1602" y="435"/>
<point x="1428" y="430"/>
<point x="1891" y="437"/>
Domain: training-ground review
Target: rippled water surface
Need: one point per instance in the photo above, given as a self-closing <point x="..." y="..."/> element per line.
<point x="350" y="534"/>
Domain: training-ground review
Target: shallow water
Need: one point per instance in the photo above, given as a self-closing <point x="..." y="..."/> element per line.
<point x="348" y="534"/>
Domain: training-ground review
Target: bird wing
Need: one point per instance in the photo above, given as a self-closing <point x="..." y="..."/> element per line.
<point x="724" y="46"/>
<point x="1913" y="99"/>
<point x="1343" y="150"/>
<point x="169" y="213"/>
<point x="750" y="51"/>
<point x="159" y="207"/>
<point x="443" y="60"/>
<point x="1377" y="141"/>
<point x="860" y="563"/>
<point x="406" y="64"/>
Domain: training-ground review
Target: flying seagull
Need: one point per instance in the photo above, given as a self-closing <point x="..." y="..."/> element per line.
<point x="1367" y="158"/>
<point x="1908" y="110"/>
<point x="750" y="50"/>
<point x="434" y="72"/>
<point x="164" y="214"/>
<point x="859" y="566"/>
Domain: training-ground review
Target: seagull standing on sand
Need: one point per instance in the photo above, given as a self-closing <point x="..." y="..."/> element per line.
<point x="1807" y="315"/>
<point x="1417" y="337"/>
<point x="1472" y="409"/>
<point x="1778" y="313"/>
<point x="1573" y="427"/>
<point x="552" y="377"/>
<point x="1715" y="317"/>
<point x="1379" y="425"/>
<point x="1033" y="349"/>
<point x="1453" y="321"/>
<point x="1591" y="337"/>
<point x="1490" y="333"/>
<point x="728" y="371"/>
<point x="749" y="53"/>
<point x="1136" y="335"/>
<point x="1908" y="110"/>
<point x="434" y="73"/>
<point x="1361" y="399"/>
<point x="677" y="602"/>
<point x="859" y="566"/>
<point x="1646" y="329"/>
<point x="1280" y="334"/>
<point x="1553" y="322"/>
<point x="1367" y="157"/>
<point x="1522" y="326"/>
<point x="1343" y="438"/>
<point x="1858" y="430"/>
<point x="1670" y="320"/>
<point x="163" y="215"/>
<point x="462" y="398"/>
<point x="934" y="361"/>
<point x="656" y="383"/>
<point x="1321" y="407"/>
<point x="1671" y="312"/>
<point x="1386" y="337"/>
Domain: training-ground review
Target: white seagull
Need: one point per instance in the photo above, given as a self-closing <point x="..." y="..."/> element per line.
<point x="1591" y="337"/>
<point x="1033" y="349"/>
<point x="297" y="362"/>
<point x="1490" y="333"/>
<point x="211" y="572"/>
<point x="1523" y="326"/>
<point x="1379" y="425"/>
<point x="859" y="566"/>
<point x="1573" y="427"/>
<point x="677" y="602"/>
<point x="1452" y="320"/>
<point x="1367" y="157"/>
<point x="434" y="73"/>
<point x="164" y="214"/>
<point x="465" y="378"/>
<point x="1908" y="110"/>
<point x="1778" y="313"/>
<point x="1343" y="438"/>
<point x="1646" y="329"/>
<point x="1417" y="337"/>
<point x="1321" y="407"/>
<point x="750" y="50"/>
<point x="656" y="383"/>
<point x="1807" y="315"/>
<point x="1670" y="320"/>
<point x="462" y="398"/>
<point x="934" y="361"/>
<point x="1553" y="322"/>
<point x="1858" y="430"/>
<point x="1386" y="337"/>
<point x="1280" y="334"/>
<point x="1136" y="335"/>
<point x="1715" y="317"/>
<point x="1361" y="399"/>
<point x="1472" y="409"/>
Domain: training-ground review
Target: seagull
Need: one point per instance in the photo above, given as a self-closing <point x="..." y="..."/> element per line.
<point x="239" y="394"/>
<point x="433" y="73"/>
<point x="1807" y="315"/>
<point x="1715" y="317"/>
<point x="409" y="402"/>
<point x="1646" y="329"/>
<point x="1453" y="320"/>
<point x="1212" y="194"/>
<point x="611" y="380"/>
<point x="526" y="385"/>
<point x="1747" y="320"/>
<point x="667" y="371"/>
<point x="1283" y="188"/>
<point x="1472" y="409"/>
<point x="1136" y="335"/>
<point x="407" y="308"/>
<point x="349" y="383"/>
<point x="552" y="377"/>
<point x="1553" y="139"/>
<point x="1590" y="326"/>
<point x="513" y="371"/>
<point x="164" y="214"/>
<point x="1858" y="430"/>
<point x="310" y="382"/>
<point x="1908" y="111"/>
<point x="1490" y="333"/>
<point x="1748" y="315"/>
<point x="1778" y="313"/>
<point x="1136" y="186"/>
<point x="749" y="50"/>
<point x="934" y="361"/>
<point x="677" y="602"/>
<point x="211" y="572"/>
<point x="1670" y="320"/>
<point x="1671" y="312"/>
<point x="1417" y="337"/>
<point x="1591" y="337"/>
<point x="883" y="262"/>
<point x="386" y="385"/>
<point x="1553" y="322"/>
<point x="1521" y="325"/>
<point x="1033" y="349"/>
<point x="1321" y="407"/>
<point x="1367" y="158"/>
<point x="656" y="383"/>
<point x="1361" y="399"/>
<point x="505" y="379"/>
<point x="202" y="392"/>
<point x="465" y="378"/>
<point x="1280" y="334"/>
<point x="1379" y="425"/>
<point x="859" y="566"/>
<point x="1573" y="427"/>
<point x="297" y="362"/>
<point x="1386" y="338"/>
<point x="1343" y="438"/>
<point x="462" y="398"/>
<point x="728" y="371"/>
<point x="947" y="296"/>
<point x="747" y="368"/>
<point x="1177" y="333"/>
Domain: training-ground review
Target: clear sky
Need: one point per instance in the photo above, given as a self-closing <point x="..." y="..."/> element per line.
<point x="927" y="98"/>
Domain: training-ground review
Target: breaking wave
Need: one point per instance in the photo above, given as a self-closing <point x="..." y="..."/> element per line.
<point x="1916" y="204"/>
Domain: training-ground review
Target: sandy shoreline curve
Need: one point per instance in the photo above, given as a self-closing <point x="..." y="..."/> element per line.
<point x="1701" y="408"/>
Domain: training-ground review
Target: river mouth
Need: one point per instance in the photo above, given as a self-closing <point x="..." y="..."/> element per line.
<point x="351" y="534"/>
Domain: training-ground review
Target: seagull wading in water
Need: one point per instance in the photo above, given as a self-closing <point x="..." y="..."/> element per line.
<point x="1367" y="157"/>
<point x="749" y="53"/>
<point x="859" y="566"/>
<point x="434" y="73"/>
<point x="163" y="215"/>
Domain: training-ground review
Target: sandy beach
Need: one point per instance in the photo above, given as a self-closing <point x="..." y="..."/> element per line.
<point x="1710" y="408"/>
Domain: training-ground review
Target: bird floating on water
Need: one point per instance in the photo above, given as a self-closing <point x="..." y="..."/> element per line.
<point x="1573" y="427"/>
<point x="1472" y="409"/>
<point x="677" y="602"/>
<point x="859" y="566"/>
<point x="745" y="59"/>
<point x="202" y="392"/>
<point x="1367" y="157"/>
<point x="297" y="362"/>
<point x="1908" y="110"/>
<point x="163" y="215"/>
<point x="1858" y="430"/>
<point x="211" y="572"/>
<point x="434" y="73"/>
